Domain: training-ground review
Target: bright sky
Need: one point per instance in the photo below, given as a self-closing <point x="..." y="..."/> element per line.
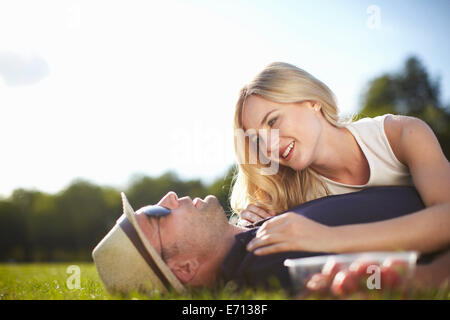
<point x="106" y="89"/>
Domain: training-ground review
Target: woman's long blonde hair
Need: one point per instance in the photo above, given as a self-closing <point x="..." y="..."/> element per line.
<point x="282" y="83"/>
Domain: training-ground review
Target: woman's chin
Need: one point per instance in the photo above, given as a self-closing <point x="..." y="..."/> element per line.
<point x="296" y="164"/>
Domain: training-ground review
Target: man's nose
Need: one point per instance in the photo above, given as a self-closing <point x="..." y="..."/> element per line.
<point x="169" y="201"/>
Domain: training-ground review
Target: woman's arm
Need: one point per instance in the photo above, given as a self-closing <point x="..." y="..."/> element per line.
<point x="425" y="231"/>
<point x="415" y="145"/>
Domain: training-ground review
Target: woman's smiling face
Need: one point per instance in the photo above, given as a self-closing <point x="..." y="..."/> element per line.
<point x="299" y="126"/>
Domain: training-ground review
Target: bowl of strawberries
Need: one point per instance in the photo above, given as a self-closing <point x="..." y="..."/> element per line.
<point x="344" y="274"/>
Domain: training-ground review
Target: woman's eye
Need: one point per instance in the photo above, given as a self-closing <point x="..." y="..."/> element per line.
<point x="272" y="121"/>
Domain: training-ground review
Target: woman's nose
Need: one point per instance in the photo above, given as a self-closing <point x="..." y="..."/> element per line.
<point x="169" y="201"/>
<point x="269" y="142"/>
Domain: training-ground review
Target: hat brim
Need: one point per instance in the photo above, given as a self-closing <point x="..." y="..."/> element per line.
<point x="164" y="269"/>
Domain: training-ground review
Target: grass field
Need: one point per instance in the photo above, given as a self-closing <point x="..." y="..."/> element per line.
<point x="50" y="282"/>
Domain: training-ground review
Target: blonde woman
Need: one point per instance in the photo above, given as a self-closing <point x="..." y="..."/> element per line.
<point x="320" y="154"/>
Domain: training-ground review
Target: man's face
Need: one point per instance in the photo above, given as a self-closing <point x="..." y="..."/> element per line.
<point x="191" y="224"/>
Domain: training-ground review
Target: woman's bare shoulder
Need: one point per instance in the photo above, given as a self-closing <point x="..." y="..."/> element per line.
<point x="393" y="127"/>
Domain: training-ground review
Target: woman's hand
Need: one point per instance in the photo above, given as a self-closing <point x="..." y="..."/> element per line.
<point x="291" y="232"/>
<point x="253" y="214"/>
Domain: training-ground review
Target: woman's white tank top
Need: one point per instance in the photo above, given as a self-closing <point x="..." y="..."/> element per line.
<point x="385" y="168"/>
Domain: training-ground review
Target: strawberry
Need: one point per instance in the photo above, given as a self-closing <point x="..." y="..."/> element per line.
<point x="360" y="267"/>
<point x="400" y="266"/>
<point x="319" y="282"/>
<point x="345" y="282"/>
<point x="389" y="278"/>
<point x="331" y="268"/>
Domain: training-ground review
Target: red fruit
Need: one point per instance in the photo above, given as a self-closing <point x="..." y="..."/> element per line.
<point x="331" y="268"/>
<point x="360" y="267"/>
<point x="389" y="278"/>
<point x="319" y="283"/>
<point x="345" y="282"/>
<point x="398" y="265"/>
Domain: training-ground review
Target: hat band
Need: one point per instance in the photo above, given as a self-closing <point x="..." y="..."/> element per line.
<point x="131" y="233"/>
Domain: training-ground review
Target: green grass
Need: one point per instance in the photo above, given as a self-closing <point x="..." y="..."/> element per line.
<point x="48" y="282"/>
<point x="37" y="281"/>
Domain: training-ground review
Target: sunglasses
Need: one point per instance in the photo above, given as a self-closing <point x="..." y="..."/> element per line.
<point x="157" y="212"/>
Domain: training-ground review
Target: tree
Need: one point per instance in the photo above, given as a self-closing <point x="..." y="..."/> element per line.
<point x="145" y="190"/>
<point x="221" y="189"/>
<point x="84" y="213"/>
<point x="14" y="238"/>
<point x="411" y="92"/>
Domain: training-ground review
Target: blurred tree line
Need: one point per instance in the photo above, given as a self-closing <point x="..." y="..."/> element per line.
<point x="66" y="226"/>
<point x="413" y="92"/>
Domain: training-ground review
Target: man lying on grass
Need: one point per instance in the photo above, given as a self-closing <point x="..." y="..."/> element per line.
<point x="183" y="242"/>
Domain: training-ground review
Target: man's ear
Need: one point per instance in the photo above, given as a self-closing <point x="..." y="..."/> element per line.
<point x="186" y="269"/>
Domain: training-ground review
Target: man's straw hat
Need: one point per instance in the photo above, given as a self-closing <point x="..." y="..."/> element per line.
<point x="126" y="261"/>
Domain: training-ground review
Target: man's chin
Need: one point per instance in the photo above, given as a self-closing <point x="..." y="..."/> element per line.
<point x="210" y="198"/>
<point x="210" y="203"/>
<point x="214" y="202"/>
